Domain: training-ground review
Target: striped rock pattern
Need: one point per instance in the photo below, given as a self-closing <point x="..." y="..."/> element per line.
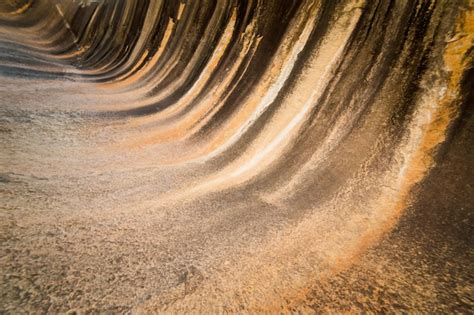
<point x="257" y="156"/>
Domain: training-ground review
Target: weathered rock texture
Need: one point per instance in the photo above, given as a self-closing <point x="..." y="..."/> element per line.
<point x="258" y="156"/>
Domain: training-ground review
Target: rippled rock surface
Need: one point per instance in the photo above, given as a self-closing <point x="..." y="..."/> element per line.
<point x="259" y="156"/>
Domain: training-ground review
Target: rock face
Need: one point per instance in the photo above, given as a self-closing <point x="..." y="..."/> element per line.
<point x="205" y="156"/>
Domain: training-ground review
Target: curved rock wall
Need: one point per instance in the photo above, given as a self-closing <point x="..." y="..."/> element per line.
<point x="226" y="156"/>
